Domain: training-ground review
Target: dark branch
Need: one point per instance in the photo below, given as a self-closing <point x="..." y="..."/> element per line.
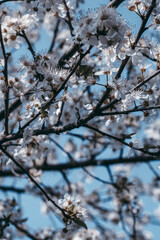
<point x="11" y="189"/>
<point x="115" y="3"/>
<point x="23" y="230"/>
<point x="17" y="102"/>
<point x="33" y="180"/>
<point x="69" y="21"/>
<point x="141" y="31"/>
<point x="87" y="163"/>
<point x="54" y="37"/>
<point x="5" y="73"/>
<point x="5" y="1"/>
<point x="122" y="140"/>
<point x="129" y="111"/>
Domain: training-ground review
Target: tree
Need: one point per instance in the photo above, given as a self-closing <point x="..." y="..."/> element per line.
<point x="83" y="109"/>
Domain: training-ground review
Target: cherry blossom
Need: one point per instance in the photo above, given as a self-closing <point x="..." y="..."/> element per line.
<point x="79" y="119"/>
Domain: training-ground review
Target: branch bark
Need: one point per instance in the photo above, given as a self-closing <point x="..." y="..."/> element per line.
<point x="86" y="163"/>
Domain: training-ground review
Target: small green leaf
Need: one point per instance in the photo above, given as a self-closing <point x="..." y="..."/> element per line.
<point x="80" y="222"/>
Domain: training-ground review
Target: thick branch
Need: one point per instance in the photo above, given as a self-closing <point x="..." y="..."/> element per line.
<point x="87" y="163"/>
<point x="5" y="1"/>
<point x="11" y="189"/>
<point x="115" y="3"/>
<point x="97" y="111"/>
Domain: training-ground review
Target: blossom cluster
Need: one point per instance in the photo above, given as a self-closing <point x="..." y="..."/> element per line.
<point x="14" y="25"/>
<point x="76" y="214"/>
<point x="104" y="27"/>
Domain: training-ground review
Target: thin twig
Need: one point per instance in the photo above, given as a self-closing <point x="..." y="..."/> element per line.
<point x="66" y="180"/>
<point x="63" y="150"/>
<point x="153" y="170"/>
<point x="69" y="18"/>
<point x="110" y="105"/>
<point x="23" y="230"/>
<point x="121" y="140"/>
<point x="54" y="37"/>
<point x="5" y="73"/>
<point x="129" y="111"/>
<point x="97" y="178"/>
<point x="17" y="102"/>
<point x="23" y="34"/>
<point x="110" y="174"/>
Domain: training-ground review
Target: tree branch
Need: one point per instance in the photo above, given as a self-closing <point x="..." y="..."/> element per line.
<point x="23" y="230"/>
<point x="86" y="163"/>
<point x="54" y="37"/>
<point x="34" y="181"/>
<point x="141" y="31"/>
<point x="17" y="102"/>
<point x="115" y="3"/>
<point x="129" y="111"/>
<point x="5" y="73"/>
<point x="122" y="140"/>
<point x="11" y="189"/>
<point x="69" y="22"/>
